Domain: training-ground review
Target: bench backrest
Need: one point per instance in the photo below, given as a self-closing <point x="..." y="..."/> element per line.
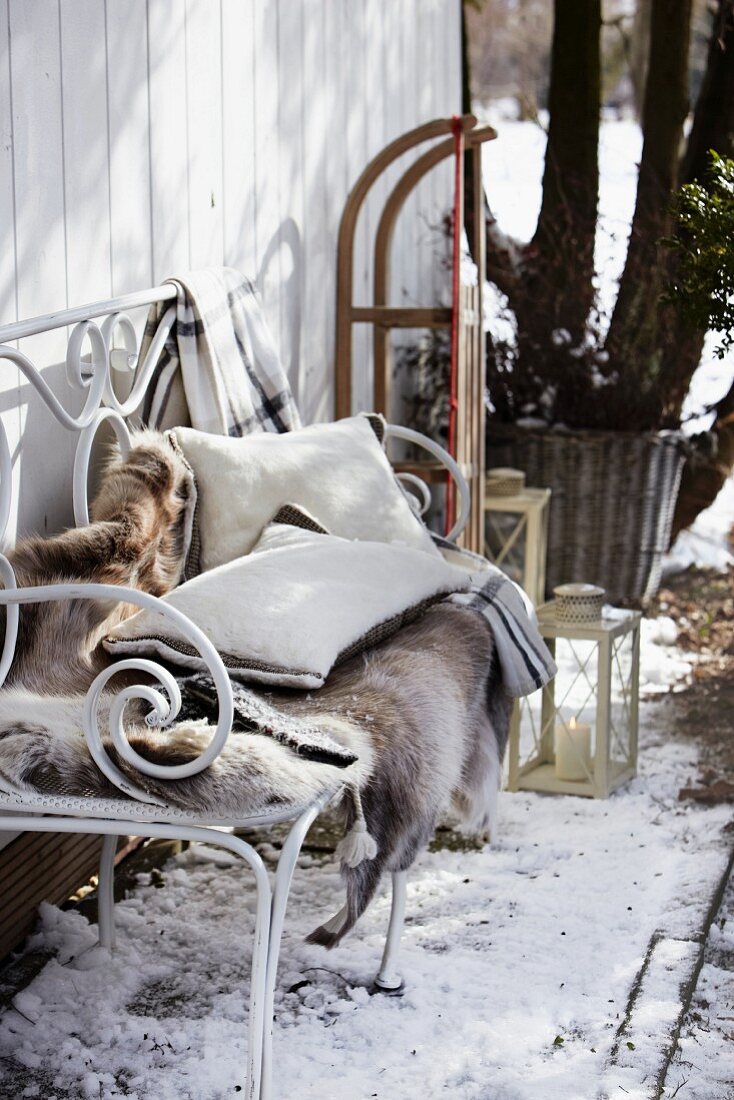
<point x="102" y="346"/>
<point x="101" y="362"/>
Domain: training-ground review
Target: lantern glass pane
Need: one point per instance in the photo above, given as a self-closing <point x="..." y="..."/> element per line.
<point x="566" y="710"/>
<point x="576" y="695"/>
<point x="505" y="538"/>
<point x="577" y="680"/>
<point x="530" y="723"/>
<point x="621" y="701"/>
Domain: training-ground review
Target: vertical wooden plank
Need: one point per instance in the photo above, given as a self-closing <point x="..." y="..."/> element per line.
<point x="290" y="189"/>
<point x="39" y="176"/>
<point x="9" y="376"/>
<point x="453" y="41"/>
<point x="8" y="305"/>
<point x="335" y="170"/>
<point x="353" y="37"/>
<point x="128" y="123"/>
<point x="204" y="129"/>
<point x="41" y="250"/>
<point x="428" y="224"/>
<point x="169" y="153"/>
<point x="393" y="124"/>
<point x="434" y="245"/>
<point x="319" y="247"/>
<point x="407" y="226"/>
<point x="377" y="137"/>
<point x="402" y="123"/>
<point x="267" y="161"/>
<point x="238" y="125"/>
<point x="86" y="162"/>
<point x="442" y="175"/>
<point x="434" y="31"/>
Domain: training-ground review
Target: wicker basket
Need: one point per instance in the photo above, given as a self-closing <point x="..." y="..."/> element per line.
<point x="612" y="505"/>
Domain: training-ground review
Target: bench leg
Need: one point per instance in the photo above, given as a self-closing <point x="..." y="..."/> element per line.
<point x="178" y="831"/>
<point x="283" y="876"/>
<point x="106" y="893"/>
<point x="388" y="980"/>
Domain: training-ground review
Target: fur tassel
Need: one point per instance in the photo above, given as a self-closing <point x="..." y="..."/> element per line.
<point x="358" y="844"/>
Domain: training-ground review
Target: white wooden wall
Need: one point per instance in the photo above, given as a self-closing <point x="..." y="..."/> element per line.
<point x="140" y="138"/>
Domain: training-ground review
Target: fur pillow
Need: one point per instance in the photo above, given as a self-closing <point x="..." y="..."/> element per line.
<point x="339" y="472"/>
<point x="300" y="603"/>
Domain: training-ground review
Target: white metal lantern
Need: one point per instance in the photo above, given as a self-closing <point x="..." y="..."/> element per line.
<point x="578" y="735"/>
<point x="516" y="536"/>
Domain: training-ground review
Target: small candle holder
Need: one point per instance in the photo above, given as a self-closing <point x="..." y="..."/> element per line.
<point x="578" y="735"/>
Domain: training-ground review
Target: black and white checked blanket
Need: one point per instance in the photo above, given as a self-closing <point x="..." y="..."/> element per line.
<point x="524" y="658"/>
<point x="219" y="362"/>
<point x="253" y="713"/>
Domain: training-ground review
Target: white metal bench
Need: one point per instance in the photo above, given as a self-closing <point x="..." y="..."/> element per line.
<point x="107" y="330"/>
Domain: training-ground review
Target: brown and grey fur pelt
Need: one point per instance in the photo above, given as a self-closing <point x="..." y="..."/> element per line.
<point x="136" y="538"/>
<point x="438" y="718"/>
<point x="425" y="712"/>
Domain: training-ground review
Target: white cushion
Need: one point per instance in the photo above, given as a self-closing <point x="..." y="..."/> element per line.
<point x="301" y="602"/>
<point x="339" y="472"/>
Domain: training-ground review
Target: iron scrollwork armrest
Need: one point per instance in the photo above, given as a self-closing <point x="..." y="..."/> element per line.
<point x="395" y="431"/>
<point x="164" y="708"/>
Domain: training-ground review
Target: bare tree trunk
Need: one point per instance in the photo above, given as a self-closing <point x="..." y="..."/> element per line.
<point x="549" y="282"/>
<point x="640" y="51"/>
<point x="713" y="122"/>
<point x="633" y="341"/>
<point x="564" y="237"/>
<point x="499" y="269"/>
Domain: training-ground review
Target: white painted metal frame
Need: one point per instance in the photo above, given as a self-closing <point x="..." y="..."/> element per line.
<point x="140" y="813"/>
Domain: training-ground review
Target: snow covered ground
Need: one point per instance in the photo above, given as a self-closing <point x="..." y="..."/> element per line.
<point x="703" y="1066"/>
<point x="518" y="958"/>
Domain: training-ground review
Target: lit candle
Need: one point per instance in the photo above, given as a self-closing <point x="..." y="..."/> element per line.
<point x="573" y="750"/>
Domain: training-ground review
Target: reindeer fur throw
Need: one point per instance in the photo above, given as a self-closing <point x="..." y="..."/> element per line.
<point x="136" y="539"/>
<point x="425" y="712"/>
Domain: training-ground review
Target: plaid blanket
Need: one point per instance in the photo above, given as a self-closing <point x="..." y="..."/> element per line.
<point x="219" y="367"/>
<point x="524" y="658"/>
<point x="253" y="713"/>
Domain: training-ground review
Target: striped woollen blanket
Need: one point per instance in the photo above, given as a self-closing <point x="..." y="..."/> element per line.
<point x="219" y="369"/>
<point x="525" y="661"/>
<point x="524" y="657"/>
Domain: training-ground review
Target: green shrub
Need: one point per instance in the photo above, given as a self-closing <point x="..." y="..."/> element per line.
<point x="703" y="286"/>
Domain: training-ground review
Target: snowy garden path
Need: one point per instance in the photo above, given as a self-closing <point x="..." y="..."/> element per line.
<point x="519" y="961"/>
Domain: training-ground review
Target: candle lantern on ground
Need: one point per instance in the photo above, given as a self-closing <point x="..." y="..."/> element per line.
<point x="578" y="735"/>
<point x="516" y="529"/>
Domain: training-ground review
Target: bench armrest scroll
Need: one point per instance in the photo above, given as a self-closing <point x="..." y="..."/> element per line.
<point x="395" y="431"/>
<point x="164" y="708"/>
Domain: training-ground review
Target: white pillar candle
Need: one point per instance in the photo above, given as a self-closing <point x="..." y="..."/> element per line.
<point x="573" y="750"/>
